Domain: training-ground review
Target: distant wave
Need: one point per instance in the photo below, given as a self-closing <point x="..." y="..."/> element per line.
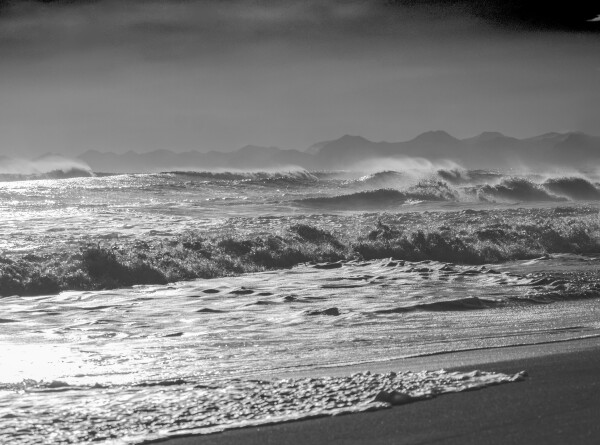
<point x="518" y="189"/>
<point x="374" y="199"/>
<point x="390" y="188"/>
<point x="486" y="185"/>
<point x="294" y="176"/>
<point x="334" y="174"/>
<point x="54" y="174"/>
<point x="463" y="177"/>
<point x="573" y="188"/>
<point x="46" y="167"/>
<point x="382" y="179"/>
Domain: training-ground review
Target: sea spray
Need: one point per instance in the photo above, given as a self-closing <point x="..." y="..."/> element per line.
<point x="518" y="189"/>
<point x="471" y="237"/>
<point x="46" y="167"/>
<point x="293" y="175"/>
<point x="575" y="188"/>
<point x="430" y="191"/>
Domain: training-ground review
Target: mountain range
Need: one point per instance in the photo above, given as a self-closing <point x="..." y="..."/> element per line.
<point x="487" y="150"/>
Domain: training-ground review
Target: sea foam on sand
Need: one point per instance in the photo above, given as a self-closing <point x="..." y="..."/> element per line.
<point x="136" y="413"/>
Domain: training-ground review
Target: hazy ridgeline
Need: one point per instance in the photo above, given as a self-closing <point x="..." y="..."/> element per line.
<point x="467" y="236"/>
<point x="546" y="152"/>
<point x="551" y="150"/>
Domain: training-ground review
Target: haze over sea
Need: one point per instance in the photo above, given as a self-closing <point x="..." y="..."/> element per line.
<point x="141" y="306"/>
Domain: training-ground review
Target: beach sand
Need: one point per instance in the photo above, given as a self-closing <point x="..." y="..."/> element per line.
<point x="558" y="403"/>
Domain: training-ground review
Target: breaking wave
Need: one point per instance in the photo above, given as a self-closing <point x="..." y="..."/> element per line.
<point x="573" y="188"/>
<point x="458" y="176"/>
<point x="374" y="199"/>
<point x="294" y="176"/>
<point x="54" y="174"/>
<point x="391" y="188"/>
<point x="498" y="236"/>
<point x="383" y="179"/>
<point x="517" y="189"/>
<point x="46" y="167"/>
<point x="482" y="184"/>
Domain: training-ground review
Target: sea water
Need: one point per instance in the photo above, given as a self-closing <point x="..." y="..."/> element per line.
<point x="127" y="364"/>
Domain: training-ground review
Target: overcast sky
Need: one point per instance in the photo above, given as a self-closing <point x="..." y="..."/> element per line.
<point x="219" y="74"/>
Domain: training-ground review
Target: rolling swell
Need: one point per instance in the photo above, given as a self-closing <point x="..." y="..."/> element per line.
<point x="74" y="172"/>
<point x="389" y="188"/>
<point x="382" y="179"/>
<point x="373" y="199"/>
<point x="294" y="176"/>
<point x="468" y="177"/>
<point x="517" y="189"/>
<point x="454" y="185"/>
<point x="573" y="188"/>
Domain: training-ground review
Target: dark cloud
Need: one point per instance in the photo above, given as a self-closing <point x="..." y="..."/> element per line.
<point x="180" y="28"/>
<point x="518" y="14"/>
<point x="183" y="74"/>
<point x="158" y="28"/>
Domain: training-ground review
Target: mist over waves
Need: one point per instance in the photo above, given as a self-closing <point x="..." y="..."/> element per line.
<point x="488" y="150"/>
<point x="45" y="167"/>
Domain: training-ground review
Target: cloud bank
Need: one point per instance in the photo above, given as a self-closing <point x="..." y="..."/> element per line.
<point x="219" y="74"/>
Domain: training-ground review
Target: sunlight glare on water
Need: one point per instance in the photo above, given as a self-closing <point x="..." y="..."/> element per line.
<point x="108" y="353"/>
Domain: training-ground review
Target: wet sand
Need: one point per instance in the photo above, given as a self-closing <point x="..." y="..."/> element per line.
<point x="558" y="403"/>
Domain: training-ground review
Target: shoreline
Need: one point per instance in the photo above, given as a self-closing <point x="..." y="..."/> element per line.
<point x="557" y="403"/>
<point x="452" y="360"/>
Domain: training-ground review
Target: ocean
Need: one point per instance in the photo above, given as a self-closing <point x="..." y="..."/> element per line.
<point x="145" y="306"/>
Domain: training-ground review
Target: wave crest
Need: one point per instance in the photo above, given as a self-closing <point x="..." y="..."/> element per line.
<point x="54" y="174"/>
<point x="382" y="179"/>
<point x="517" y="189"/>
<point x="378" y="199"/>
<point x="293" y="176"/>
<point x="573" y="187"/>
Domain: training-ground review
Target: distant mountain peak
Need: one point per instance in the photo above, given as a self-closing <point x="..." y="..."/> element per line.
<point x="576" y="137"/>
<point x="349" y="137"/>
<point x="438" y="137"/>
<point x="436" y="134"/>
<point x="546" y="136"/>
<point x="348" y="151"/>
<point x="346" y="141"/>
<point x="349" y="140"/>
<point x="487" y="135"/>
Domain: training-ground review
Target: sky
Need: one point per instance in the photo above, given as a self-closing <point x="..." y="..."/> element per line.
<point x="143" y="75"/>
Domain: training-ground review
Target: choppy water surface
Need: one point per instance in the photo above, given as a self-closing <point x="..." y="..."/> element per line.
<point x="36" y="214"/>
<point x="152" y="361"/>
